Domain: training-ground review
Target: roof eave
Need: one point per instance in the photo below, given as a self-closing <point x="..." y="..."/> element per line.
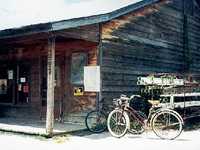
<point x="72" y="23"/>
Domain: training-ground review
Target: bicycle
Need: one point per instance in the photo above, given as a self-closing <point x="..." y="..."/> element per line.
<point x="95" y="120"/>
<point x="165" y="123"/>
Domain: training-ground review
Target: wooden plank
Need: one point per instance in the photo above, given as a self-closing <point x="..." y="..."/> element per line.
<point x="142" y="38"/>
<point x="88" y="33"/>
<point x="50" y="86"/>
<point x="120" y="88"/>
<point x="153" y="24"/>
<point x="153" y="33"/>
<point x="137" y="55"/>
<point x="127" y="46"/>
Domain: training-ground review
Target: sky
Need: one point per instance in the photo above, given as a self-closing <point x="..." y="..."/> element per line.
<point x="17" y="13"/>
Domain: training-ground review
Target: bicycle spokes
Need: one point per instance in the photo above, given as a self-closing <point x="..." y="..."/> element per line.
<point x="117" y="123"/>
<point x="167" y="125"/>
<point x="96" y="121"/>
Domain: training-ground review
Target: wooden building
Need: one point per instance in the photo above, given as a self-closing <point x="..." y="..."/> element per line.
<point x="42" y="64"/>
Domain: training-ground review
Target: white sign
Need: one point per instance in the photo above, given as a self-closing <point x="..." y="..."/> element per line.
<point x="23" y="80"/>
<point x="159" y="81"/>
<point x="10" y="74"/>
<point x="92" y="78"/>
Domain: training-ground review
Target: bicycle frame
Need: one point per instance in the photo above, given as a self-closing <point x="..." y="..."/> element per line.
<point x="133" y="114"/>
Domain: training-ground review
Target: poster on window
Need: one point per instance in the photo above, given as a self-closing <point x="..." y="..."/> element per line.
<point x="3" y="86"/>
<point x="92" y="78"/>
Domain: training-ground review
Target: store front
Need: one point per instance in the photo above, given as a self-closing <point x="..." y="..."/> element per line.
<point x="14" y="83"/>
<point x="24" y="75"/>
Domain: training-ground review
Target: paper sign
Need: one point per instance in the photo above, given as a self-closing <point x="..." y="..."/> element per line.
<point x="23" y="80"/>
<point x="92" y="78"/>
<point x="10" y="74"/>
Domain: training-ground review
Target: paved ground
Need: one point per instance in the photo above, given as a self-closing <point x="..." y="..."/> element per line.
<point x="37" y="126"/>
<point x="147" y="141"/>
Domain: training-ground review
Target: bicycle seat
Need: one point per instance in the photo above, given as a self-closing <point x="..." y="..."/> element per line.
<point x="154" y="102"/>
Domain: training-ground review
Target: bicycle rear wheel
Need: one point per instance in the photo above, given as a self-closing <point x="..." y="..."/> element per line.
<point x="167" y="125"/>
<point x="95" y="121"/>
<point x="118" y="123"/>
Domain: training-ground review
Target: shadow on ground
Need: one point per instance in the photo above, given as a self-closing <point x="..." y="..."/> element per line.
<point x="192" y="124"/>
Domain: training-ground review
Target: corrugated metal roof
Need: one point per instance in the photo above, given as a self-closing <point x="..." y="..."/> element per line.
<point x="75" y="22"/>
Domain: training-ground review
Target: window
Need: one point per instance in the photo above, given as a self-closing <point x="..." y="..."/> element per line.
<point x="3" y="86"/>
<point x="78" y="61"/>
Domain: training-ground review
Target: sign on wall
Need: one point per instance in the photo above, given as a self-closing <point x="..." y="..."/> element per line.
<point x="78" y="91"/>
<point x="92" y="78"/>
<point x="10" y="74"/>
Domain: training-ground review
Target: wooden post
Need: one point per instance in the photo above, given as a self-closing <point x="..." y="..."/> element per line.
<point x="50" y="86"/>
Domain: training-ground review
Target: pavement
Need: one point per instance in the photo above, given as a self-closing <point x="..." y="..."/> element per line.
<point x="188" y="140"/>
<point x="37" y="127"/>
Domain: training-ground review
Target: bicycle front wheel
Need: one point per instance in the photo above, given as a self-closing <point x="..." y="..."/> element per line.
<point x="95" y="121"/>
<point x="118" y="123"/>
<point x="167" y="125"/>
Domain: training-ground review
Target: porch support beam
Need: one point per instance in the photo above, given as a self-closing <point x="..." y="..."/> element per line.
<point x="50" y="86"/>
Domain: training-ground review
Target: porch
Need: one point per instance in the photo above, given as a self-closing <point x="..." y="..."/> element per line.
<point x="40" y="73"/>
<point x="38" y="127"/>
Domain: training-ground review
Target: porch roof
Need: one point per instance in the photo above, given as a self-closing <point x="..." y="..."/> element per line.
<point x="72" y="23"/>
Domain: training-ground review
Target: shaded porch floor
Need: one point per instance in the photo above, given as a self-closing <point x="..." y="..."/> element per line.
<point x="37" y="127"/>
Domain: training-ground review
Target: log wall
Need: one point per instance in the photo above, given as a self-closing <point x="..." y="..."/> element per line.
<point x="150" y="40"/>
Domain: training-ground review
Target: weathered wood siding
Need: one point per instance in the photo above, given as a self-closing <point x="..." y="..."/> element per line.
<point x="193" y="25"/>
<point x="150" y="40"/>
<point x="35" y="82"/>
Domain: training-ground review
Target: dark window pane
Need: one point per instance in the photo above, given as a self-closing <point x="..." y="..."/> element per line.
<point x="79" y="60"/>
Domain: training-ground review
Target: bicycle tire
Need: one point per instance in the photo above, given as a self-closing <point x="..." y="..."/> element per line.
<point x="95" y="121"/>
<point x="167" y="124"/>
<point x="118" y="128"/>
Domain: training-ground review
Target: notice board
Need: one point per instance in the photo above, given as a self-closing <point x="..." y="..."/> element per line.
<point x="92" y="78"/>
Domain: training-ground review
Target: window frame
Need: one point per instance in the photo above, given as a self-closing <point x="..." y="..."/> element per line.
<point x="84" y="54"/>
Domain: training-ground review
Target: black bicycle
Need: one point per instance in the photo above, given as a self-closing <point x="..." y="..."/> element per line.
<point x="96" y="120"/>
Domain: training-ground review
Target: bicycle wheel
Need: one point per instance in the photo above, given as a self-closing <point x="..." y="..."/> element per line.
<point x="95" y="121"/>
<point x="167" y="125"/>
<point x="118" y="123"/>
<point x="135" y="126"/>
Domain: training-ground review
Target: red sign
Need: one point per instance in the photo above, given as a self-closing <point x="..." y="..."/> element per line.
<point x="25" y="88"/>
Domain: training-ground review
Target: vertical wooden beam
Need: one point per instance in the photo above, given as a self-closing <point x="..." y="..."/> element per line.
<point x="99" y="62"/>
<point x="50" y="86"/>
<point x="17" y="93"/>
<point x="40" y="83"/>
<point x="62" y="84"/>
